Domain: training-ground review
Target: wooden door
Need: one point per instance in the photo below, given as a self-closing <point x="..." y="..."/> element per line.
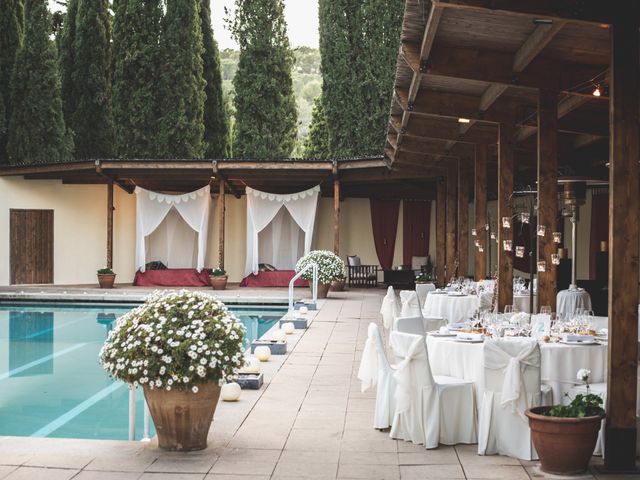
<point x="31" y="246"/>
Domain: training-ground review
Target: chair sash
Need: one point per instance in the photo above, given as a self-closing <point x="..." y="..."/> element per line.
<point x="513" y="388"/>
<point x="368" y="371"/>
<point x="410" y="304"/>
<point x="389" y="308"/>
<point x="415" y="351"/>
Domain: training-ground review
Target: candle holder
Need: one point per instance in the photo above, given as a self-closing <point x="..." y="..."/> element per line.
<point x="486" y="227"/>
<point x="506" y="222"/>
<point x="493" y="236"/>
<point x="520" y="252"/>
<point x="525" y="217"/>
<point x="474" y="232"/>
<point x="507" y="245"/>
<point x="555" y="259"/>
<point x="542" y="266"/>
<point x="477" y="243"/>
<point x="557" y="237"/>
<point x="541" y="230"/>
<point x="480" y="249"/>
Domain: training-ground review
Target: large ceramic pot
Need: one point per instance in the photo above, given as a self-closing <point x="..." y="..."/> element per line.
<point x="337" y="285"/>
<point x="182" y="418"/>
<point x="106" y="280"/>
<point x="565" y="445"/>
<point x="323" y="289"/>
<point x="218" y="282"/>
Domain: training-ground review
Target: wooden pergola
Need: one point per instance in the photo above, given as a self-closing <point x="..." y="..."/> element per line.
<point x="502" y="92"/>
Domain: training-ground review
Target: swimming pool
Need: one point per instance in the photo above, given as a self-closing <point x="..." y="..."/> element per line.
<point x="51" y="384"/>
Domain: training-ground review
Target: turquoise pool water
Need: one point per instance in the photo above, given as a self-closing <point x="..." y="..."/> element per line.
<point x="51" y="384"/>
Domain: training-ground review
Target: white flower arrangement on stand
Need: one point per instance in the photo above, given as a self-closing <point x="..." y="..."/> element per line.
<point x="330" y="268"/>
<point x="179" y="346"/>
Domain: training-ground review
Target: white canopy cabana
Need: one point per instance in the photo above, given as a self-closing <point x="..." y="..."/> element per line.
<point x="279" y="241"/>
<point x="174" y="220"/>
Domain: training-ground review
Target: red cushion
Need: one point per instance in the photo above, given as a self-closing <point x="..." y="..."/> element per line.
<point x="279" y="278"/>
<point x="172" y="277"/>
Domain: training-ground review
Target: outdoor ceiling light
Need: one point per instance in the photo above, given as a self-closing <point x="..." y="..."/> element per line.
<point x="464" y="120"/>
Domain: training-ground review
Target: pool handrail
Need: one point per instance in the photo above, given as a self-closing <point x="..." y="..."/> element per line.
<point x="132" y="417"/>
<point x="314" y="286"/>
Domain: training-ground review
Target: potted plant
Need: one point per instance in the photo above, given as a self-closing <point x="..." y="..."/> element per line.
<point x="330" y="267"/>
<point x="218" y="279"/>
<point x="106" y="277"/>
<point x="423" y="277"/>
<point x="565" y="435"/>
<point x="338" y="284"/>
<point x="179" y="346"/>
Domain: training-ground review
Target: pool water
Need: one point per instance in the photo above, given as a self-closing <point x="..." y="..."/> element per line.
<point x="51" y="384"/>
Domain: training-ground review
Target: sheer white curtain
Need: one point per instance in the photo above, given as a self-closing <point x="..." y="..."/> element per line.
<point x="282" y="230"/>
<point x="152" y="208"/>
<point x="262" y="209"/>
<point x="174" y="242"/>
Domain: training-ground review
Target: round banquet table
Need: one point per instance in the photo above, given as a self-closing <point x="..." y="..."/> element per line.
<point x="559" y="363"/>
<point x="451" y="308"/>
<point x="568" y="301"/>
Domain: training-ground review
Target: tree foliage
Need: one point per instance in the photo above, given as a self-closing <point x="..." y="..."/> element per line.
<point x="216" y="124"/>
<point x="11" y="23"/>
<point x="182" y="84"/>
<point x="265" y="108"/>
<point x="91" y="120"/>
<point x="316" y="144"/>
<point x="66" y="52"/>
<point x="136" y="52"/>
<point x="37" y="132"/>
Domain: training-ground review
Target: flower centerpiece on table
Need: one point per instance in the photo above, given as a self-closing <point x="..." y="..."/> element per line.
<point x="179" y="346"/>
<point x="330" y="268"/>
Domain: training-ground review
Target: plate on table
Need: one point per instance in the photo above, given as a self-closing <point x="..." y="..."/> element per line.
<point x="438" y="334"/>
<point x="580" y="342"/>
<point x="470" y="340"/>
<point x="456" y="294"/>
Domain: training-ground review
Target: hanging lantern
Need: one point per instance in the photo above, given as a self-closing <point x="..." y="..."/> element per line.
<point x="493" y="236"/>
<point x="525" y="217"/>
<point x="473" y="232"/>
<point x="541" y="230"/>
<point x="481" y="249"/>
<point x="506" y="222"/>
<point x="486" y="227"/>
<point x="542" y="266"/>
<point x="557" y="237"/>
<point x="555" y="259"/>
<point x="477" y="243"/>
<point x="507" y="245"/>
<point x="519" y="251"/>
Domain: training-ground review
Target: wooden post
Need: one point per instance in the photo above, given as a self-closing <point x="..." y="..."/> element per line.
<point x="441" y="225"/>
<point x="222" y="206"/>
<point x="547" y="193"/>
<point x="464" y="182"/>
<point x="110" y="224"/>
<point x="452" y="210"/>
<point x="505" y="190"/>
<point x="624" y="154"/>
<point x="481" y="211"/>
<point x="336" y="216"/>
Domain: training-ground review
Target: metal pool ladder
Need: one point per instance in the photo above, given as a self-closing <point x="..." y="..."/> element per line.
<point x="132" y="417"/>
<point x="314" y="286"/>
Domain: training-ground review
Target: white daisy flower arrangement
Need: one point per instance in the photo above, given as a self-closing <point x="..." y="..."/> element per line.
<point x="330" y="266"/>
<point x="175" y="340"/>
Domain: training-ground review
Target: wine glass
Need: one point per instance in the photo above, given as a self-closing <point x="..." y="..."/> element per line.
<point x="508" y="309"/>
<point x="545" y="310"/>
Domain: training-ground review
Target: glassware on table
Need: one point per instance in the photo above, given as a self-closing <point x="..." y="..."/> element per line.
<point x="508" y="309"/>
<point x="545" y="310"/>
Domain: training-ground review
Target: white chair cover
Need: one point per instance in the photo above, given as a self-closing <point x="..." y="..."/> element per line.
<point x="153" y="207"/>
<point x="434" y="323"/>
<point x="429" y="410"/>
<point x="512" y="384"/>
<point x="410" y="304"/>
<point x="413" y="325"/>
<point x="390" y="308"/>
<point x="422" y="289"/>
<point x="376" y="370"/>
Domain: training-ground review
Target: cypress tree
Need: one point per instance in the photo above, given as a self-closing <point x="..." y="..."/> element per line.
<point x="182" y="81"/>
<point x="216" y="126"/>
<point x="266" y="116"/>
<point x="65" y="57"/>
<point x="37" y="131"/>
<point x="317" y="142"/>
<point x="11" y="23"/>
<point x="91" y="119"/>
<point x="136" y="52"/>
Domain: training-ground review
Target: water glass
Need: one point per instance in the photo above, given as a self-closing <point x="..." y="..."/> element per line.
<point x="545" y="310"/>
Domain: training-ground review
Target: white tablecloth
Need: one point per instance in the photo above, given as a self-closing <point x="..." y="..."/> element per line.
<point x="422" y="289"/>
<point x="452" y="308"/>
<point x="559" y="364"/>
<point x="567" y="301"/>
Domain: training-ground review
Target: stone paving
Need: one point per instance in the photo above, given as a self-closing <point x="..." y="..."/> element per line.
<point x="310" y="421"/>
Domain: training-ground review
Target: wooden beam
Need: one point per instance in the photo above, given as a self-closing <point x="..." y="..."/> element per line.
<point x="490" y="95"/>
<point x="536" y="42"/>
<point x="505" y="190"/>
<point x="547" y="193"/>
<point x="464" y="182"/>
<point x="452" y="218"/>
<point x="449" y="129"/>
<point x="110" y="224"/>
<point x="221" y="226"/>
<point x="223" y="179"/>
<point x="567" y="105"/>
<point x="441" y="226"/>
<point x="481" y="153"/>
<point x="624" y="200"/>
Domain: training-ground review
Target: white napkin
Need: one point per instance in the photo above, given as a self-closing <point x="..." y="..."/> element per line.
<point x="469" y="336"/>
<point x="572" y="337"/>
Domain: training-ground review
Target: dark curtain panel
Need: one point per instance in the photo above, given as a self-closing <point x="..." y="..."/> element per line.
<point x="522" y="238"/>
<point x="416" y="218"/>
<point x="384" y="221"/>
<point x="599" y="226"/>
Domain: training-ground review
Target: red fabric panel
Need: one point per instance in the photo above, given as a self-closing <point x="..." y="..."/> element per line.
<point x="384" y="222"/>
<point x="279" y="278"/>
<point x="172" y="277"/>
<point x="416" y="221"/>
<point x="521" y="237"/>
<point x="599" y="227"/>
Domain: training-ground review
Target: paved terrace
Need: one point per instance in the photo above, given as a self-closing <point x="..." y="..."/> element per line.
<point x="310" y="421"/>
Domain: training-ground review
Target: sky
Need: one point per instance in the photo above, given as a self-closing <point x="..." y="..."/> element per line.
<point x="301" y="17"/>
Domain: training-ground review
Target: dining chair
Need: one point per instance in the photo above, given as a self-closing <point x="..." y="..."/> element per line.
<point x="429" y="410"/>
<point x="390" y="308"/>
<point x="375" y="370"/>
<point x="419" y="325"/>
<point x="511" y="385"/>
<point x="410" y="304"/>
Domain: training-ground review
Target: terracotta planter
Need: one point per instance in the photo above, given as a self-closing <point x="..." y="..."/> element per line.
<point x="337" y="285"/>
<point x="218" y="282"/>
<point x="323" y="289"/>
<point x="106" y="280"/>
<point x="183" y="418"/>
<point x="564" y="445"/>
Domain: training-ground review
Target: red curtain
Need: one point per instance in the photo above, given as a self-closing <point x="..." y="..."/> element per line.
<point x="599" y="227"/>
<point x="384" y="221"/>
<point x="522" y="238"/>
<point x="416" y="218"/>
